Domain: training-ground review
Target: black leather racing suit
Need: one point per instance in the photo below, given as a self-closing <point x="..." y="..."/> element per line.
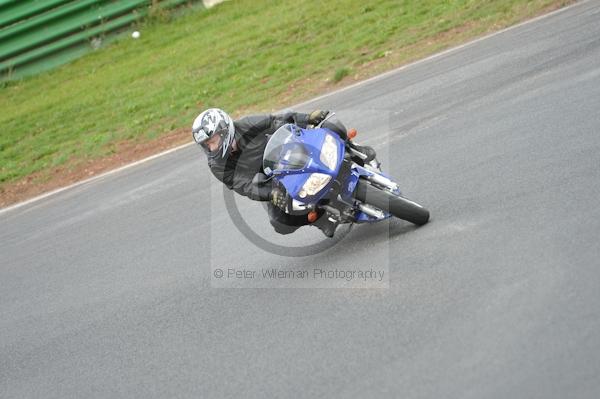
<point x="237" y="171"/>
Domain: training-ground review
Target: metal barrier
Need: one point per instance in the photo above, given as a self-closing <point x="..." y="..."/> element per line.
<point x="37" y="35"/>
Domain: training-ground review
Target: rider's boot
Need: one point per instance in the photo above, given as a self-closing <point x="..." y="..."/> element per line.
<point x="368" y="151"/>
<point x="326" y="225"/>
<point x="364" y="149"/>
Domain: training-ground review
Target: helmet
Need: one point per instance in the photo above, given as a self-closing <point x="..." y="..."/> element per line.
<point x="214" y="121"/>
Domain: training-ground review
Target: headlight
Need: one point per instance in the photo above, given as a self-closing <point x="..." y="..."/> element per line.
<point x="329" y="152"/>
<point x="315" y="183"/>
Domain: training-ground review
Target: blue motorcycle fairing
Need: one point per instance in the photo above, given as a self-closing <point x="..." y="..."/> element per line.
<point x="294" y="179"/>
<point x="295" y="176"/>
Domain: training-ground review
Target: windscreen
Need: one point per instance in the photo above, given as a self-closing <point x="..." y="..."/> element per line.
<point x="285" y="151"/>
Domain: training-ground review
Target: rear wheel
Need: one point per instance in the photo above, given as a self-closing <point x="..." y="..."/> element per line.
<point x="386" y="201"/>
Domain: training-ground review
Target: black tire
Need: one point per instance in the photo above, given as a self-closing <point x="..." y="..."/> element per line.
<point x="386" y="201"/>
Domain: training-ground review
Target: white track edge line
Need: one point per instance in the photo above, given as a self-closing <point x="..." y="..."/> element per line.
<point x="342" y="89"/>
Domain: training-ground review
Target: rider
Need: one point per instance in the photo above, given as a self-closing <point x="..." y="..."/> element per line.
<point x="235" y="149"/>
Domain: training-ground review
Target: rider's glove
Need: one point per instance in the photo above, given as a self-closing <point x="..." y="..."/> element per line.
<point x="278" y="198"/>
<point x="317" y="116"/>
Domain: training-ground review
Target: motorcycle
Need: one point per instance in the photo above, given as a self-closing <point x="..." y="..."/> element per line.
<point x="323" y="173"/>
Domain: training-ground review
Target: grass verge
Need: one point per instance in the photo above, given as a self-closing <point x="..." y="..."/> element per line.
<point x="139" y="96"/>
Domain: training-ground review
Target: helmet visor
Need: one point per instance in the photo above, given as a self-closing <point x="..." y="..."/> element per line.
<point x="213" y="145"/>
<point x="200" y="136"/>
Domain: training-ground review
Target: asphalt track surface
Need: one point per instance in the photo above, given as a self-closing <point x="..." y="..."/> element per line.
<point x="106" y="288"/>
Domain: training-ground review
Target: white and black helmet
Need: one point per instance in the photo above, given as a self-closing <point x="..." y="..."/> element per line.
<point x="210" y="122"/>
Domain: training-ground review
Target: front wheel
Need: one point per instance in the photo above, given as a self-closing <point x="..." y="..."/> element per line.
<point x="386" y="201"/>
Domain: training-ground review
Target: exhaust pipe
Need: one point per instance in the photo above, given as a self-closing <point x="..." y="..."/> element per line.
<point x="371" y="211"/>
<point x="383" y="181"/>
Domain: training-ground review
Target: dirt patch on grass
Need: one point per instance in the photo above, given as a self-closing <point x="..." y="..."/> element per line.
<point x="304" y="89"/>
<point x="72" y="172"/>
